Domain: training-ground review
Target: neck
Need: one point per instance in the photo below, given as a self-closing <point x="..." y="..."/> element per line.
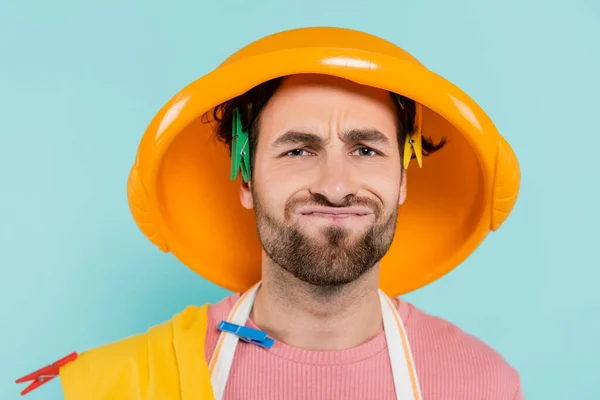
<point x="316" y="318"/>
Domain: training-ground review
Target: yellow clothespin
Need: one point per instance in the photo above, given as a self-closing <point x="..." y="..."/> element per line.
<point x="413" y="141"/>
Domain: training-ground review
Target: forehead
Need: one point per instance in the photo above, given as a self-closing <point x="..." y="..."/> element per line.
<point x="324" y="105"/>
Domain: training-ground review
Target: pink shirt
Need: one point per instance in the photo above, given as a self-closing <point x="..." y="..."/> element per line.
<point x="451" y="365"/>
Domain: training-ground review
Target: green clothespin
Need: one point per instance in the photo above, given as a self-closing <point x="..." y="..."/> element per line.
<point x="240" y="148"/>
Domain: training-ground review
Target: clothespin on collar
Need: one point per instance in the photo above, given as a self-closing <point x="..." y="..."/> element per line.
<point x="45" y="374"/>
<point x="248" y="335"/>
<point x="413" y="143"/>
<point x="240" y="148"/>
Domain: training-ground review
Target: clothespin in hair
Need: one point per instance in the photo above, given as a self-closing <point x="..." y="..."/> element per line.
<point x="413" y="143"/>
<point x="240" y="148"/>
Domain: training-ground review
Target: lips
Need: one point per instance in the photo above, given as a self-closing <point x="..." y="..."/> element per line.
<point x="334" y="212"/>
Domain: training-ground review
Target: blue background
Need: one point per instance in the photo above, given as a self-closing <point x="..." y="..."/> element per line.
<point x="80" y="81"/>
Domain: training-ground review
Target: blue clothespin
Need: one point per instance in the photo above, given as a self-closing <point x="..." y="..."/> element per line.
<point x="246" y="334"/>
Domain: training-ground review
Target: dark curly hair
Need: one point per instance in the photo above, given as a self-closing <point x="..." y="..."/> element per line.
<point x="251" y="103"/>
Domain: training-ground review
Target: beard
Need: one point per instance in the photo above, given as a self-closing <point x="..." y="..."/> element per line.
<point x="337" y="258"/>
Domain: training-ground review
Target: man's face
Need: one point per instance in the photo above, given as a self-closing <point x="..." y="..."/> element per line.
<point x="327" y="178"/>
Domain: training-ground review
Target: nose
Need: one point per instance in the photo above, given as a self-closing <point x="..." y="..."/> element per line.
<point x="334" y="180"/>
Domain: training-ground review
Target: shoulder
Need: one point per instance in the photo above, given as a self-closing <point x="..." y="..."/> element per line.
<point x="119" y="368"/>
<point x="448" y="358"/>
<point x="129" y="367"/>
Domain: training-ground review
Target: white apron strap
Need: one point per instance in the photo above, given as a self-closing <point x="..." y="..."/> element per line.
<point x="403" y="369"/>
<point x="403" y="366"/>
<point x="222" y="357"/>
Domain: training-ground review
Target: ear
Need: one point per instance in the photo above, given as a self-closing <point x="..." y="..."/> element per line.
<point x="402" y="197"/>
<point x="246" y="195"/>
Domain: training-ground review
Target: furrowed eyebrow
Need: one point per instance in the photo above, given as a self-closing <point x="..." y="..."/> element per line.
<point x="295" y="138"/>
<point x="364" y="135"/>
<point x="350" y="136"/>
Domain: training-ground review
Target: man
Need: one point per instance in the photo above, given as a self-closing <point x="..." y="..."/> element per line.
<point x="323" y="151"/>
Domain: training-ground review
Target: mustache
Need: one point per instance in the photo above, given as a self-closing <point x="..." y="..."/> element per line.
<point x="318" y="199"/>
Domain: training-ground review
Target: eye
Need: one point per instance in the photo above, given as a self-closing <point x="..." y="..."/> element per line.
<point x="365" y="152"/>
<point x="298" y="153"/>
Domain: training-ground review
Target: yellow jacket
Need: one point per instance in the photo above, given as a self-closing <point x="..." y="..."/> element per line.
<point x="167" y="362"/>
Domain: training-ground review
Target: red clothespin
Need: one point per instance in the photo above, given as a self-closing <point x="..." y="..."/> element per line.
<point x="45" y="374"/>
